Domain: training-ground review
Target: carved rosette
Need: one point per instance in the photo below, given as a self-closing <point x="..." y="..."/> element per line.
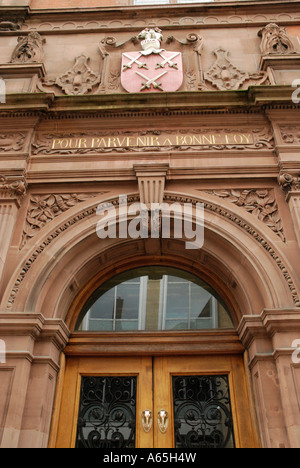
<point x="260" y="203"/>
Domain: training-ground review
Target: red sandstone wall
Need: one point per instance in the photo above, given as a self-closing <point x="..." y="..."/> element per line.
<point x="45" y="4"/>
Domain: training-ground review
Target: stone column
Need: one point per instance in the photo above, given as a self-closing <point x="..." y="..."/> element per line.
<point x="12" y="190"/>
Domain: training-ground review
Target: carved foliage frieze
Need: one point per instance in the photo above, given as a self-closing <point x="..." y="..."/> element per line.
<point x="260" y="203"/>
<point x="44" y="208"/>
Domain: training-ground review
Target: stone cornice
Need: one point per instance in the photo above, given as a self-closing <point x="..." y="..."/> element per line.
<point x="256" y="97"/>
<point x="182" y="17"/>
<point x="266" y="325"/>
<point x="125" y="12"/>
<point x="35" y="325"/>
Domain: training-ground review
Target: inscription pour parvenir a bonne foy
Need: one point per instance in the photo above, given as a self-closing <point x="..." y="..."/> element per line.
<point x="152" y="140"/>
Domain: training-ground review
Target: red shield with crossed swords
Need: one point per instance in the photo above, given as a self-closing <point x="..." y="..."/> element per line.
<point x="152" y="73"/>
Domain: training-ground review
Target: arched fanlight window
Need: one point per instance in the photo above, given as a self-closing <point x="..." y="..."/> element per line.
<point x="151" y="299"/>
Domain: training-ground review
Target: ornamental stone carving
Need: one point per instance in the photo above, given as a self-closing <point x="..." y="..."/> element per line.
<point x="289" y="182"/>
<point x="12" y="142"/>
<point x="44" y="208"/>
<point x="275" y="40"/>
<point x="79" y="80"/>
<point x="29" y="49"/>
<point x="12" y="187"/>
<point x="290" y="135"/>
<point x="151" y="39"/>
<point x="260" y="203"/>
<point x="225" y="76"/>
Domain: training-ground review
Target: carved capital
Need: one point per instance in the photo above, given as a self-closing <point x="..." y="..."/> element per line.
<point x="12" y="187"/>
<point x="289" y="182"/>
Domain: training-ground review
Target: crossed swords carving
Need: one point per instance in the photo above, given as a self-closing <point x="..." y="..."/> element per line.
<point x="151" y="81"/>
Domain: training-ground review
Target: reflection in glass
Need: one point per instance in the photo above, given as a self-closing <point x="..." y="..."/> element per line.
<point x="154" y="298"/>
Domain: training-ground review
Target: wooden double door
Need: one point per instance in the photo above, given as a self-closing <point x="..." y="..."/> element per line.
<point x="161" y="402"/>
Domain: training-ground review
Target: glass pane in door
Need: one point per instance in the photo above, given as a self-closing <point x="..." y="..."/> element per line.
<point x="107" y="412"/>
<point x="202" y="412"/>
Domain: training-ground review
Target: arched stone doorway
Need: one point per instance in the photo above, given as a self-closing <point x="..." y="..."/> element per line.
<point x="54" y="279"/>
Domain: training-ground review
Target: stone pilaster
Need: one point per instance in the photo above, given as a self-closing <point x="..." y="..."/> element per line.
<point x="12" y="190"/>
<point x="290" y="183"/>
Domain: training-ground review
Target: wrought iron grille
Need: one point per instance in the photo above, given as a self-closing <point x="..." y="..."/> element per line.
<point x="107" y="412"/>
<point x="202" y="412"/>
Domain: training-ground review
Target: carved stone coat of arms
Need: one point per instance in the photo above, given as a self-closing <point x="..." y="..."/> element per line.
<point x="153" y="69"/>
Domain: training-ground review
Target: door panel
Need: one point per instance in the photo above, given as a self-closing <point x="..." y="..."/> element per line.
<point x="165" y="402"/>
<point x="102" y="392"/>
<point x="205" y="419"/>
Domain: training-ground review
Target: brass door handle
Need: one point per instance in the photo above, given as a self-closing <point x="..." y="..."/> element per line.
<point x="163" y="421"/>
<point x="147" y="420"/>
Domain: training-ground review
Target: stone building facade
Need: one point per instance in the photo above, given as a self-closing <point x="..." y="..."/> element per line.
<point x="208" y="114"/>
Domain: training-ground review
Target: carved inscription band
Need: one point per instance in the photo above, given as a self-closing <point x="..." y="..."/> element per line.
<point x="195" y="139"/>
<point x="152" y="140"/>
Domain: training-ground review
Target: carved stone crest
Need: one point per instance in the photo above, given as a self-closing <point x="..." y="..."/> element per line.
<point x="152" y="69"/>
